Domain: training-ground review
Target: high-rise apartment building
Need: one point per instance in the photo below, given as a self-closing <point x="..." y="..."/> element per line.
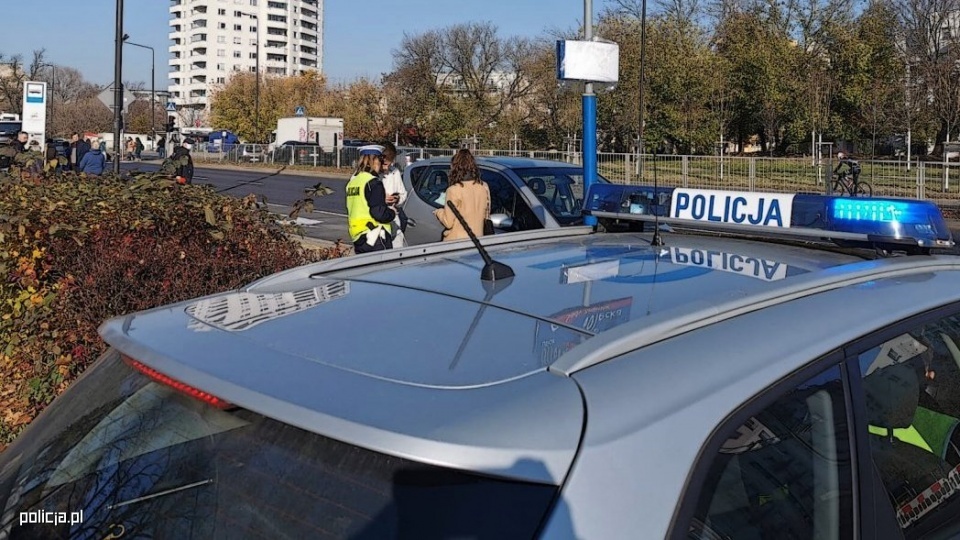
<point x="212" y="39"/>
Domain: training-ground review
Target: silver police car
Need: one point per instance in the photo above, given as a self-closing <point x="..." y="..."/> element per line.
<point x="761" y="384"/>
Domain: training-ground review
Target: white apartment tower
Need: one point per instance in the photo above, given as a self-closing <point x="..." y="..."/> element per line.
<point x="211" y="39"/>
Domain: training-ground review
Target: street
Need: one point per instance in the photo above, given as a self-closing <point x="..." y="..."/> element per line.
<point x="328" y="221"/>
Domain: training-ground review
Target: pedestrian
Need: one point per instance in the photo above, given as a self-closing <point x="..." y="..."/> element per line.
<point x="93" y="162"/>
<point x="131" y="148"/>
<point x="50" y="158"/>
<point x="162" y="147"/>
<point x="20" y="143"/>
<point x="396" y="193"/>
<point x="78" y="147"/>
<point x="469" y="194"/>
<point x="369" y="214"/>
<point x="138" y="149"/>
<point x="180" y="165"/>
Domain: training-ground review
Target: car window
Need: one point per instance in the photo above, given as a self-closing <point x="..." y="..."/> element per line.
<point x="505" y="199"/>
<point x="130" y="451"/>
<point x="430" y="184"/>
<point x="784" y="472"/>
<point x="911" y="387"/>
<point x="559" y="189"/>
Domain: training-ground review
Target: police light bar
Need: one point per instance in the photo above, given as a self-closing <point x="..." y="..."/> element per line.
<point x="871" y="220"/>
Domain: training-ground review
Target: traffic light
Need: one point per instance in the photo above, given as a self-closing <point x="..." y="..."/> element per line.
<point x="171" y="121"/>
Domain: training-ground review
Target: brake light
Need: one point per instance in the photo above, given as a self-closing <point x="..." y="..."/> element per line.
<point x="195" y="393"/>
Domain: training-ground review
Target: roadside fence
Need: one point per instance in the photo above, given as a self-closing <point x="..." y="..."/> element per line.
<point x="938" y="181"/>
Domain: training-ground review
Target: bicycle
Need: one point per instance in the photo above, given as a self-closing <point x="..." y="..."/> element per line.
<point x="842" y="185"/>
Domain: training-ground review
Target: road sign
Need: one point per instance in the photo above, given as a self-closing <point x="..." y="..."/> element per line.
<point x="171" y="106"/>
<point x="35" y="112"/>
<point x="106" y="97"/>
<point x="300" y="111"/>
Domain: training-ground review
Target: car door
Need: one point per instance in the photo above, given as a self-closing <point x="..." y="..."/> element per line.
<point x="907" y="402"/>
<point x="426" y="187"/>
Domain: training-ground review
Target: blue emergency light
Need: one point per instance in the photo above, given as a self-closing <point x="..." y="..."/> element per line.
<point x="874" y="221"/>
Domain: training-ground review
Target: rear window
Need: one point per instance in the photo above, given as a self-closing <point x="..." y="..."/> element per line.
<point x="137" y="456"/>
<point x="10" y="128"/>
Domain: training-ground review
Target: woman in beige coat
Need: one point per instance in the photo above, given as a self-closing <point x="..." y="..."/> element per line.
<point x="469" y="194"/>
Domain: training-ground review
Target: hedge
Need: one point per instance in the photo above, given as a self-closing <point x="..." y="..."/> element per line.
<point x="77" y="250"/>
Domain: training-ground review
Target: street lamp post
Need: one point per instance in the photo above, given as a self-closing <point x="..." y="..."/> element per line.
<point x="117" y="87"/>
<point x="153" y="87"/>
<point x="256" y="68"/>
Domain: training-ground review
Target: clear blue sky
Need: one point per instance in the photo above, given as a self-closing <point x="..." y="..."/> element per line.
<point x="79" y="33"/>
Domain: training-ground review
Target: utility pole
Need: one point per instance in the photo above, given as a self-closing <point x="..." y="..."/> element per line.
<point x="53" y="89"/>
<point x="256" y="92"/>
<point x="643" y="82"/>
<point x="118" y="88"/>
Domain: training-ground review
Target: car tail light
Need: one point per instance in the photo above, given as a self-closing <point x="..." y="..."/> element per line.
<point x="195" y="393"/>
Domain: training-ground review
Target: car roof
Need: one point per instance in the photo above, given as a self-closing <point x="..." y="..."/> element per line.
<point x="505" y="162"/>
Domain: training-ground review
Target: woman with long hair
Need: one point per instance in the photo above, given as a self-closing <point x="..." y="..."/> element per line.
<point x="469" y="194"/>
<point x="370" y="215"/>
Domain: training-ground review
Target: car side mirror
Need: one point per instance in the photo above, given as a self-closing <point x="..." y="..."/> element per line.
<point x="501" y="221"/>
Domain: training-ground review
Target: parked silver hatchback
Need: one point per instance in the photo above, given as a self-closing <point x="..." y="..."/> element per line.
<point x="525" y="194"/>
<point x="618" y="385"/>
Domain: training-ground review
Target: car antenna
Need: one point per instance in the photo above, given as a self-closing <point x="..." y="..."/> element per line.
<point x="492" y="270"/>
<point x="657" y="240"/>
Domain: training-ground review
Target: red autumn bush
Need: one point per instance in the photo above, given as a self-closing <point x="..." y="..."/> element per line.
<point x="75" y="251"/>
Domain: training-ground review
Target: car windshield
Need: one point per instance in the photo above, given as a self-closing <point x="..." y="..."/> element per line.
<point x="134" y="454"/>
<point x="559" y="189"/>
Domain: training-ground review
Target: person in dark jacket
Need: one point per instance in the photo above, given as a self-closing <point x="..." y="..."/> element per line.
<point x="180" y="164"/>
<point x="78" y="147"/>
<point x="93" y="162"/>
<point x="20" y="143"/>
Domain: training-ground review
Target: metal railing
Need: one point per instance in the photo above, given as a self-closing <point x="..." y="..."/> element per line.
<point x="937" y="181"/>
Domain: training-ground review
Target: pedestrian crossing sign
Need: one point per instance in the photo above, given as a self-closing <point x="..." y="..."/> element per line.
<point x="171" y="107"/>
<point x="300" y="111"/>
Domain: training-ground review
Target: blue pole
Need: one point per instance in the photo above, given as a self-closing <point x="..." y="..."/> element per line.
<point x="589" y="147"/>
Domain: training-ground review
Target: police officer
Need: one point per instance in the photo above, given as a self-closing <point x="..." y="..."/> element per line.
<point x="370" y="215"/>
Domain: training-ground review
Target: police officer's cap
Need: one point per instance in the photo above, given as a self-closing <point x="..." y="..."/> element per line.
<point x="371" y="149"/>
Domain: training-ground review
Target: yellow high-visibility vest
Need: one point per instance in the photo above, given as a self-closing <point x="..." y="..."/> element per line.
<point x="358" y="210"/>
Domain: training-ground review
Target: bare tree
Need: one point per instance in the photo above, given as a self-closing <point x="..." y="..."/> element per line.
<point x="12" y="78"/>
<point x="933" y="51"/>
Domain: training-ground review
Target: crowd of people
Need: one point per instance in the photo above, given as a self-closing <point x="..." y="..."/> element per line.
<point x="376" y="195"/>
<point x="88" y="155"/>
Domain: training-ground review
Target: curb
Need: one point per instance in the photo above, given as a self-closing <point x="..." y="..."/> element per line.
<point x="317" y="243"/>
<point x="295" y="172"/>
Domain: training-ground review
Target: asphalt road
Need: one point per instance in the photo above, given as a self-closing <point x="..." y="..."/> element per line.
<point x="281" y="189"/>
<point x="328" y="221"/>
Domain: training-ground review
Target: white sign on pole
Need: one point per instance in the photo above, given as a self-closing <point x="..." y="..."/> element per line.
<point x="35" y="113"/>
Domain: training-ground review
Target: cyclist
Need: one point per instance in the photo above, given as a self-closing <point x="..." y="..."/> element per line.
<point x="853" y="166"/>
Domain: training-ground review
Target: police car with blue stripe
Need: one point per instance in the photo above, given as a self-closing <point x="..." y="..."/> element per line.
<point x="731" y="365"/>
